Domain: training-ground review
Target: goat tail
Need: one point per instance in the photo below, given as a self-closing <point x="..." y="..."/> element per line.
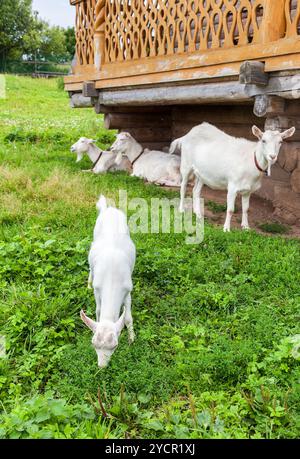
<point x="175" y="146"/>
<point x="101" y="204"/>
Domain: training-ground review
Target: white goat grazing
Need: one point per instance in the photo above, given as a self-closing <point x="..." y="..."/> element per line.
<point x="103" y="161"/>
<point x="222" y="162"/>
<point x="154" y="166"/>
<point x="111" y="260"/>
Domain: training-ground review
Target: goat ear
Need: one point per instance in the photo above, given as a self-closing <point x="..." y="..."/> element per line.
<point x="288" y="133"/>
<point x="257" y="132"/>
<point x="91" y="324"/>
<point x="92" y="141"/>
<point x="121" y="323"/>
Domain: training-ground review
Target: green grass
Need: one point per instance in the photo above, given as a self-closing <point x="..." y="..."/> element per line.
<point x="215" y="207"/>
<point x="275" y="228"/>
<point x="217" y="324"/>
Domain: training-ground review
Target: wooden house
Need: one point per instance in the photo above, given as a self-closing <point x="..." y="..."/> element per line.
<point x="156" y="68"/>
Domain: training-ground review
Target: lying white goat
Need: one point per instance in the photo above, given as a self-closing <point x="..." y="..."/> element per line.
<point x="111" y="260"/>
<point x="154" y="166"/>
<point x="222" y="162"/>
<point x="103" y="161"/>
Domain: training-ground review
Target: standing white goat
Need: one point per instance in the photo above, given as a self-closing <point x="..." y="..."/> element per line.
<point x="111" y="260"/>
<point x="222" y="162"/>
<point x="103" y="161"/>
<point x="154" y="166"/>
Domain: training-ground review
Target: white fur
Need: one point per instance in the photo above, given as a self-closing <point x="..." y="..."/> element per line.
<point x="111" y="260"/>
<point x="223" y="162"/>
<point x="105" y="163"/>
<point x="154" y="166"/>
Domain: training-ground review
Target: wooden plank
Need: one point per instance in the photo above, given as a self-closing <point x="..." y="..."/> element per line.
<point x="149" y="134"/>
<point x="137" y="120"/>
<point x="293" y="108"/>
<point x="215" y="114"/>
<point x="205" y="73"/>
<point x="199" y="59"/>
<point x="280" y="63"/>
<point x="135" y="110"/>
<point x="221" y="71"/>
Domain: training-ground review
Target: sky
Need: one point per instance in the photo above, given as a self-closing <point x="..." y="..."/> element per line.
<point x="57" y="12"/>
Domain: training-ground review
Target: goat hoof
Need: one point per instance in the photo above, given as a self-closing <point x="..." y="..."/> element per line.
<point x="245" y="228"/>
<point x="131" y="338"/>
<point x="226" y="230"/>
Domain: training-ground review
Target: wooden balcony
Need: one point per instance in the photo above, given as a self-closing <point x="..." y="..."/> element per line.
<point x="122" y="43"/>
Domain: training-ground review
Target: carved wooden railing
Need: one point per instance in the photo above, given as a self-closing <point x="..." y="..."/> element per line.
<point x="85" y="31"/>
<point x="109" y="32"/>
<point x="292" y="15"/>
<point x="138" y="29"/>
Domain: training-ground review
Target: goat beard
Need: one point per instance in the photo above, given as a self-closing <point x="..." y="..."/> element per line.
<point x="269" y="168"/>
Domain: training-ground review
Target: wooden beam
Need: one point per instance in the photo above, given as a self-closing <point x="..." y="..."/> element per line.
<point x="253" y="72"/>
<point x="265" y="105"/>
<point x="89" y="89"/>
<point x="277" y="84"/>
<point x="161" y="135"/>
<point x="235" y="114"/>
<point x="79" y="101"/>
<point x="207" y="64"/>
<point x="137" y="120"/>
<point x="227" y="92"/>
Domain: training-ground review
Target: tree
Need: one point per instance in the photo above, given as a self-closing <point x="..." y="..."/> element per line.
<point x="53" y="44"/>
<point x="16" y="19"/>
<point x="24" y="35"/>
<point x="70" y="41"/>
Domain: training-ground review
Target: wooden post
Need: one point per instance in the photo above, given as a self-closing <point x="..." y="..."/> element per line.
<point x="253" y="72"/>
<point x="99" y="37"/>
<point x="274" y="25"/>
